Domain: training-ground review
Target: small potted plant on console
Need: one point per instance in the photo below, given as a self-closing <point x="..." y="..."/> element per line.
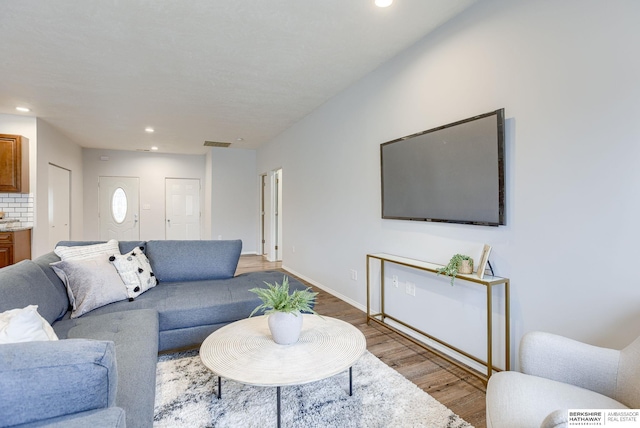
<point x="284" y="309"/>
<point x="459" y="263"/>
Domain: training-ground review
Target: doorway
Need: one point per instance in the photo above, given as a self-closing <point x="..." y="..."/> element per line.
<point x="119" y="208"/>
<point x="59" y="204"/>
<point x="271" y="215"/>
<point x="263" y="215"/>
<point x="182" y="208"/>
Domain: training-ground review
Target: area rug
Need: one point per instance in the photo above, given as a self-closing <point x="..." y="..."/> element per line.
<point x="382" y="398"/>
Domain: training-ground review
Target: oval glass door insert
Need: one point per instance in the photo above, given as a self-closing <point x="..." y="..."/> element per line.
<point x="119" y="205"/>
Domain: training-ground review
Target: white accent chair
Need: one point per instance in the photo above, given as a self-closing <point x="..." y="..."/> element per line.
<point x="560" y="374"/>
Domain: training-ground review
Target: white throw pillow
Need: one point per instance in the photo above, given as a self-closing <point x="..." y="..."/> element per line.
<point x="135" y="270"/>
<point x="82" y="252"/>
<point x="90" y="283"/>
<point x="24" y="325"/>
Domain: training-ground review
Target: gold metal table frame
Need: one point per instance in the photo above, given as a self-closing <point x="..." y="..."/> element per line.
<point x="488" y="281"/>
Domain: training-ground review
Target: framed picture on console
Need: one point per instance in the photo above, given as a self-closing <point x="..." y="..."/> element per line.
<point x="484" y="258"/>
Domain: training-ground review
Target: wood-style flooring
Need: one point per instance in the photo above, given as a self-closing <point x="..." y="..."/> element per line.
<point x="463" y="393"/>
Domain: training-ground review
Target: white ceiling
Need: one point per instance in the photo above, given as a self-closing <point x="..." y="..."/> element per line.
<point x="101" y="71"/>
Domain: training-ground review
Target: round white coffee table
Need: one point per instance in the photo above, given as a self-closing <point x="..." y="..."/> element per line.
<point x="244" y="351"/>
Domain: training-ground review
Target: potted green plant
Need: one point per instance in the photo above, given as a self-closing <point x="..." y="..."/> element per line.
<point x="283" y="309"/>
<point x="459" y="263"/>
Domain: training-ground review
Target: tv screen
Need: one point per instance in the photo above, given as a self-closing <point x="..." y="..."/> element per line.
<point x="453" y="173"/>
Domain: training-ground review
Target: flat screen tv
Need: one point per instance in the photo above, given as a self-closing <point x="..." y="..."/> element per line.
<point x="453" y="173"/>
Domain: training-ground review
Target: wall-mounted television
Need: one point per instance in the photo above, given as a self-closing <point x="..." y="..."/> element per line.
<point x="453" y="173"/>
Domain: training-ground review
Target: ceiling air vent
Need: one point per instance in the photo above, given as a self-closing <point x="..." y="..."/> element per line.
<point x="216" y="144"/>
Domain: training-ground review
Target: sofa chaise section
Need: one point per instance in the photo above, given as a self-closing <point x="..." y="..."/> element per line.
<point x="135" y="335"/>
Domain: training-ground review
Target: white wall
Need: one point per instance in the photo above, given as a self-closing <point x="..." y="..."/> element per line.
<point x="566" y="75"/>
<point x="47" y="145"/>
<point x="57" y="149"/>
<point x="228" y="179"/>
<point x="152" y="169"/>
<point x="234" y="196"/>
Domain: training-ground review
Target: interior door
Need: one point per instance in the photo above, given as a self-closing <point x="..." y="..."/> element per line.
<point x="119" y="208"/>
<point x="278" y="215"/>
<point x="263" y="238"/>
<point x="274" y="217"/>
<point x="59" y="204"/>
<point x="182" y="207"/>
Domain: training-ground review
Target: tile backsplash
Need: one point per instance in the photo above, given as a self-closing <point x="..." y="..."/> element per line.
<point x="18" y="206"/>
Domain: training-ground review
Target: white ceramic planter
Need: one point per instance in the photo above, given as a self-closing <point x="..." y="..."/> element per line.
<point x="285" y="327"/>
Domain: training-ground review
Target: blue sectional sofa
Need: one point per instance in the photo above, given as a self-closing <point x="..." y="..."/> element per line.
<point x="101" y="373"/>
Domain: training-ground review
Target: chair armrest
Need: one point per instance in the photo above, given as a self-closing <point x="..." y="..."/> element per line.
<point x="556" y="419"/>
<point x="48" y="379"/>
<point x="565" y="360"/>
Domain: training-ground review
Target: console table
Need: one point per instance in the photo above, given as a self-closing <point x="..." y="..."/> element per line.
<point x="488" y="281"/>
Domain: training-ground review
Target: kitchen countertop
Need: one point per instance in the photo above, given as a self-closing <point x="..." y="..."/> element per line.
<point x="16" y="229"/>
<point x="12" y="225"/>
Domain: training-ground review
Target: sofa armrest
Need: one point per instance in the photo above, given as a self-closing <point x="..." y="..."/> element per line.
<point x="565" y="360"/>
<point x="48" y="379"/>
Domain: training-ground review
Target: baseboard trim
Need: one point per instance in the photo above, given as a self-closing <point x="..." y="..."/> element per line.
<point x="327" y="289"/>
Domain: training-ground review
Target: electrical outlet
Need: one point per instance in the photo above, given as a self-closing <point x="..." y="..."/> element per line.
<point x="394" y="279"/>
<point x="411" y="289"/>
<point x="354" y="275"/>
<point x="293" y="248"/>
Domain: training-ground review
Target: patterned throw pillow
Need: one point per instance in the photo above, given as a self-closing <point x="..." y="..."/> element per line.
<point x="82" y="252"/>
<point x="135" y="270"/>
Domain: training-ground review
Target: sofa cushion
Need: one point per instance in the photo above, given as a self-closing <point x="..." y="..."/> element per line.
<point x="193" y="260"/>
<point x="24" y="325"/>
<point x="90" y="283"/>
<point x="135" y="335"/>
<point x="24" y="284"/>
<point x="194" y="303"/>
<point x="111" y="417"/>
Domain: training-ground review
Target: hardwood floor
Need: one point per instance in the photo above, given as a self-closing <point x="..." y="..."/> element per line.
<point x="463" y="393"/>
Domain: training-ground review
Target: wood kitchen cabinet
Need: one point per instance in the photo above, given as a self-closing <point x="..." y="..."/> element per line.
<point x="14" y="164"/>
<point x="14" y="246"/>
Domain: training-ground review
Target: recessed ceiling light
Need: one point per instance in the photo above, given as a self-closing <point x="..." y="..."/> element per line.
<point x="154" y="148"/>
<point x="23" y="109"/>
<point x="149" y="129"/>
<point x="240" y="140"/>
<point x="383" y="3"/>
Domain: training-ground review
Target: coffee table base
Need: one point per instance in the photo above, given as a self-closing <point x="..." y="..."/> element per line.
<point x="278" y="392"/>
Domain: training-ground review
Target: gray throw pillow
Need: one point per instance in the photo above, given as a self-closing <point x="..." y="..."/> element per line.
<point x="90" y="283"/>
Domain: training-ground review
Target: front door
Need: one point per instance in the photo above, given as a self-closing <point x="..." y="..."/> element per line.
<point x="119" y="208"/>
